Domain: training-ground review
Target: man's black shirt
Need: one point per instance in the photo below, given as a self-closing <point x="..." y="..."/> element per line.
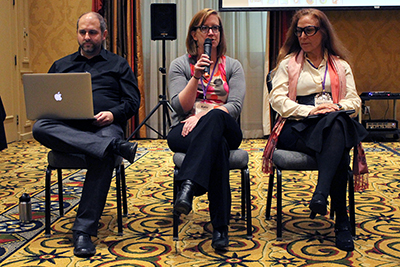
<point x="114" y="85"/>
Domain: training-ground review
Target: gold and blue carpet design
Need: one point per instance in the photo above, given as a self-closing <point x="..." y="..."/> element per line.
<point x="147" y="238"/>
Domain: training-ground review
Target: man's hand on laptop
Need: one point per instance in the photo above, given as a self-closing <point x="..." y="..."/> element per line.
<point x="103" y="118"/>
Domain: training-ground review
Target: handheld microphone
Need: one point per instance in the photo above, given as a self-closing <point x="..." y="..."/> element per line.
<point x="207" y="51"/>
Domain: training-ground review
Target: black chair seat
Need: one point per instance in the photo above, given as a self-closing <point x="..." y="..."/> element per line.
<point x="293" y="160"/>
<point x="238" y="159"/>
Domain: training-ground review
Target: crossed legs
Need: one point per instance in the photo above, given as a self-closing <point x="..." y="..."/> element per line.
<point x="98" y="145"/>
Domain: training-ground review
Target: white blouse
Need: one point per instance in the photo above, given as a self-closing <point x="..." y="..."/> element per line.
<point x="310" y="82"/>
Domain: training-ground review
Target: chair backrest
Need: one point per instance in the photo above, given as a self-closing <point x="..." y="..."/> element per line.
<point x="272" y="112"/>
<point x="269" y="82"/>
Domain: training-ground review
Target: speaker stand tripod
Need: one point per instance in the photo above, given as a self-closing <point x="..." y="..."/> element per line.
<point x="162" y="102"/>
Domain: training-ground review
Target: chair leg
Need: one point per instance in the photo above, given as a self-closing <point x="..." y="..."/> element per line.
<point x="352" y="209"/>
<point x="269" y="196"/>
<point x="123" y="186"/>
<point x="47" y="202"/>
<point x="119" y="208"/>
<point x="60" y="192"/>
<point x="247" y="194"/>
<point x="279" y="205"/>
<point x="243" y="194"/>
<point x="175" y="222"/>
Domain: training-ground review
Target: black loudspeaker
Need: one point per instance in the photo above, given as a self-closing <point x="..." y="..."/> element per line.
<point x="163" y="21"/>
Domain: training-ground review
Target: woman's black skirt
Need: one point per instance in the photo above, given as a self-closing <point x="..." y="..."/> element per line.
<point x="313" y="130"/>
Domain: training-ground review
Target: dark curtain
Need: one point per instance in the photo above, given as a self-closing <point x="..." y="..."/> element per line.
<point x="115" y="14"/>
<point x="279" y="24"/>
<point x="124" y="38"/>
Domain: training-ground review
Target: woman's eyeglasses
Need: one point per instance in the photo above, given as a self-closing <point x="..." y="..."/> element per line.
<point x="206" y="29"/>
<point x="309" y="31"/>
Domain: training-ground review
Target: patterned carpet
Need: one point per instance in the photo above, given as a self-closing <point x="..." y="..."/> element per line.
<point x="147" y="238"/>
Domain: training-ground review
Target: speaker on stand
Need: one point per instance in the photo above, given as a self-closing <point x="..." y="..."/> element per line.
<point x="163" y="27"/>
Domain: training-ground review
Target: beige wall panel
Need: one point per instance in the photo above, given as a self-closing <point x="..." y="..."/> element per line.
<point x="8" y="70"/>
<point x="373" y="38"/>
<point x="53" y="30"/>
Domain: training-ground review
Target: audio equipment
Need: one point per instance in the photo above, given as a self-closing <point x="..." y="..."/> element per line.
<point x="163" y="27"/>
<point x="379" y="94"/>
<point x="380" y="124"/>
<point x="163" y="21"/>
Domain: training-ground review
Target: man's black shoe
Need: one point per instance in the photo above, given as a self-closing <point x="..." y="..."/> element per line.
<point x="184" y="198"/>
<point x="83" y="245"/>
<point x="125" y="149"/>
<point x="220" y="240"/>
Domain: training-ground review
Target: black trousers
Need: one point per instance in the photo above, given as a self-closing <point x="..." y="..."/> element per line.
<point x="83" y="137"/>
<point x="207" y="159"/>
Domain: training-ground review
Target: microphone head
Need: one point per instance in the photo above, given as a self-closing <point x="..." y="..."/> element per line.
<point x="207" y="41"/>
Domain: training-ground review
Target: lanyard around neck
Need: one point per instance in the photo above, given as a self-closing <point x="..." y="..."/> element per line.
<point x="209" y="81"/>
<point x="323" y="82"/>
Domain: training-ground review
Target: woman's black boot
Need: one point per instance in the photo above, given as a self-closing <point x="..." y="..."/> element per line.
<point x="184" y="198"/>
<point x="344" y="239"/>
<point x="220" y="240"/>
<point x="318" y="205"/>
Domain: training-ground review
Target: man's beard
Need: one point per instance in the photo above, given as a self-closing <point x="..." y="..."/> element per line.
<point x="90" y="50"/>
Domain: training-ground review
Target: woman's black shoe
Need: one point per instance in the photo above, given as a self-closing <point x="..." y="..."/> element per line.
<point x="344" y="239"/>
<point x="318" y="205"/>
<point x="220" y="240"/>
<point x="184" y="198"/>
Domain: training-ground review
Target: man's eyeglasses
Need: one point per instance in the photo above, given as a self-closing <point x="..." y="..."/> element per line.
<point x="206" y="29"/>
<point x="309" y="31"/>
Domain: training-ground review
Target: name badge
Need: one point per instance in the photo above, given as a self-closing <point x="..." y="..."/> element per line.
<point x="323" y="98"/>
<point x="203" y="107"/>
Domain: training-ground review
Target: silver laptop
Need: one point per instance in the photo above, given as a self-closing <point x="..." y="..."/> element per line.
<point x="58" y="96"/>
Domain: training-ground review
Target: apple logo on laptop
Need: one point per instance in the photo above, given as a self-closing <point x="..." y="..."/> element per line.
<point x="58" y="96"/>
